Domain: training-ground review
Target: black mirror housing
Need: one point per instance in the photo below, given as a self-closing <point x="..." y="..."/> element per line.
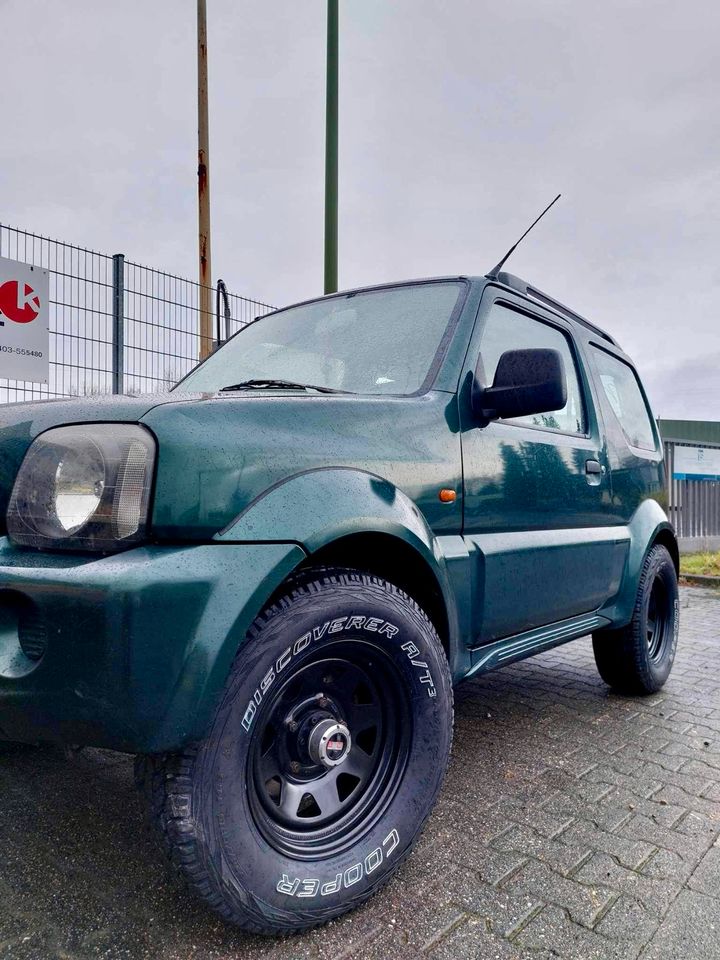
<point x="526" y="382"/>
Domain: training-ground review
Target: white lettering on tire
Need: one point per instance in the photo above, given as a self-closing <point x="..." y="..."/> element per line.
<point x="339" y="625"/>
<point x="310" y="887"/>
<point x="412" y="651"/>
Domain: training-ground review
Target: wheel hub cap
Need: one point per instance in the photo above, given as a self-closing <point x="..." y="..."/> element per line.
<point x="329" y="743"/>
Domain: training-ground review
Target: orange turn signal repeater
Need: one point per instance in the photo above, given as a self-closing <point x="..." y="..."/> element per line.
<point x="446" y="495"/>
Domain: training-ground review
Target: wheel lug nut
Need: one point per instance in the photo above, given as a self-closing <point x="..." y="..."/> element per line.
<point x="324" y="702"/>
<point x="295" y="766"/>
<point x="292" y="726"/>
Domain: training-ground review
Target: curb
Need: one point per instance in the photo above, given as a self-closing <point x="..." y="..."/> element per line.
<point x="700" y="579"/>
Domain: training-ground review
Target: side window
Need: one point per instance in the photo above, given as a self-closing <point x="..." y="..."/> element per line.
<point x="619" y="381"/>
<point x="507" y="329"/>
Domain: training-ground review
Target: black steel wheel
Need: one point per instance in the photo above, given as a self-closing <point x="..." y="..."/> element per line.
<point x="659" y="619"/>
<point x="329" y="748"/>
<point x="638" y="658"/>
<point x="324" y="760"/>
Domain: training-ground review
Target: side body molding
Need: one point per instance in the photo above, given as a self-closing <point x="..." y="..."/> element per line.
<point x="317" y="507"/>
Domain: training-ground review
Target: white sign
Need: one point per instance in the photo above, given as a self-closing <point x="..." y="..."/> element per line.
<point x="697" y="463"/>
<point x="24" y="322"/>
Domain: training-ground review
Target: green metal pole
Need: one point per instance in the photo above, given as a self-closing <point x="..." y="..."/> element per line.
<point x="205" y="272"/>
<point x="331" y="152"/>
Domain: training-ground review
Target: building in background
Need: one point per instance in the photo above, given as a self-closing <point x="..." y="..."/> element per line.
<point x="692" y="452"/>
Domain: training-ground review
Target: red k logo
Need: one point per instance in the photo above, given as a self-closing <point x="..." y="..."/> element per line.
<point x="19" y="302"/>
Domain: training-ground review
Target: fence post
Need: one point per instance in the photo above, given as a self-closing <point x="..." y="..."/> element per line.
<point x="118" y="316"/>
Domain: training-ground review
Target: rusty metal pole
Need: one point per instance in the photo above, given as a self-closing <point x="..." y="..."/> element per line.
<point x="331" y="151"/>
<point x="205" y="276"/>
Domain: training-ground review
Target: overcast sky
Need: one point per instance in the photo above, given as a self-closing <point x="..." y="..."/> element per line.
<point x="459" y="122"/>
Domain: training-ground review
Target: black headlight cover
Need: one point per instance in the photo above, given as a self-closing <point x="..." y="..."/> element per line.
<point x="84" y="487"/>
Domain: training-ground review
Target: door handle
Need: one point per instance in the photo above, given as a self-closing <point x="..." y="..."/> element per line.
<point x="593" y="472"/>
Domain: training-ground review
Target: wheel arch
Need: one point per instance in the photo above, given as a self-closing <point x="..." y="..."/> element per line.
<point x="648" y="527"/>
<point x="349" y="517"/>
<point x="665" y="537"/>
<point x="387" y="556"/>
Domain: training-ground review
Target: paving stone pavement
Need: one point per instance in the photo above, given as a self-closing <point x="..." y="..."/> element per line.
<point x="574" y="824"/>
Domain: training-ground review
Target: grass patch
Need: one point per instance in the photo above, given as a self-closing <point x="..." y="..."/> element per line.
<point x="707" y="564"/>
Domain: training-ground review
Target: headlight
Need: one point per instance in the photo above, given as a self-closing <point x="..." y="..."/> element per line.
<point x="84" y="487"/>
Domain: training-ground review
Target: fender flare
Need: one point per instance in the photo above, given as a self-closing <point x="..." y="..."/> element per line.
<point x="647" y="523"/>
<point x="317" y="507"/>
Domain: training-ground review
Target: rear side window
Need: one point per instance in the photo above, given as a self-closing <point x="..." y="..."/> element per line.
<point x="509" y="330"/>
<point x="620" y="383"/>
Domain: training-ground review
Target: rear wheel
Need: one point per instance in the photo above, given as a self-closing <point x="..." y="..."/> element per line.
<point x="637" y="658"/>
<point x="324" y="760"/>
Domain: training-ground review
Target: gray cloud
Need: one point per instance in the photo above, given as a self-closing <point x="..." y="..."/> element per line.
<point x="686" y="390"/>
<point x="458" y="123"/>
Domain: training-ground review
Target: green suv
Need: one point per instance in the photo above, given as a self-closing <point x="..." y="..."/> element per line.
<point x="265" y="583"/>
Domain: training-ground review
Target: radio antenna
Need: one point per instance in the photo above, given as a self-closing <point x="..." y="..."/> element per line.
<point x="493" y="274"/>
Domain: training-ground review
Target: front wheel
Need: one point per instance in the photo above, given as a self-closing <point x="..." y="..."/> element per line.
<point x="637" y="658"/>
<point x="324" y="760"/>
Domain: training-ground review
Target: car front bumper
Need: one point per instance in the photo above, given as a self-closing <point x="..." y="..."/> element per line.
<point x="137" y="645"/>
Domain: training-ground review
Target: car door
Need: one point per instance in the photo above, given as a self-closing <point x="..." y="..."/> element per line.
<point x="537" y="499"/>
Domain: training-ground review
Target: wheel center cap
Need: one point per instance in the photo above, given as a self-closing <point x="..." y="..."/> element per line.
<point x="329" y="743"/>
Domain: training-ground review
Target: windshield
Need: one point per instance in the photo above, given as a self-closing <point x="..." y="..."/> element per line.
<point x="377" y="342"/>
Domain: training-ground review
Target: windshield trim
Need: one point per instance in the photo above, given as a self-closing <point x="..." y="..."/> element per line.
<point x="439" y="353"/>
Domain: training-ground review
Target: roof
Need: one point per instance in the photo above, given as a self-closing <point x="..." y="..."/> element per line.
<point x="690" y="431"/>
<point x="522" y="286"/>
<point x="505" y="279"/>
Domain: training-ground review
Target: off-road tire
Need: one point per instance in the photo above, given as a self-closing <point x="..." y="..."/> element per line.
<point x="203" y="802"/>
<point x="632" y="659"/>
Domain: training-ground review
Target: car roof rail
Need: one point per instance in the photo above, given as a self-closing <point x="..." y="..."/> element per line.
<point x="517" y="283"/>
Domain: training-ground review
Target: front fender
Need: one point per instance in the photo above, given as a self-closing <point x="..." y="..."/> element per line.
<point x="317" y="507"/>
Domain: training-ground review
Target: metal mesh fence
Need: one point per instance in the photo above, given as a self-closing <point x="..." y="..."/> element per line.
<point x="115" y="326"/>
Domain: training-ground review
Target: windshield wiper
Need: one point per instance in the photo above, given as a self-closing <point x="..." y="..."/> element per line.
<point x="269" y="384"/>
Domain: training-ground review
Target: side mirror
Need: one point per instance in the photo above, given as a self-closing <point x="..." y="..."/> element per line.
<point x="526" y="381"/>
